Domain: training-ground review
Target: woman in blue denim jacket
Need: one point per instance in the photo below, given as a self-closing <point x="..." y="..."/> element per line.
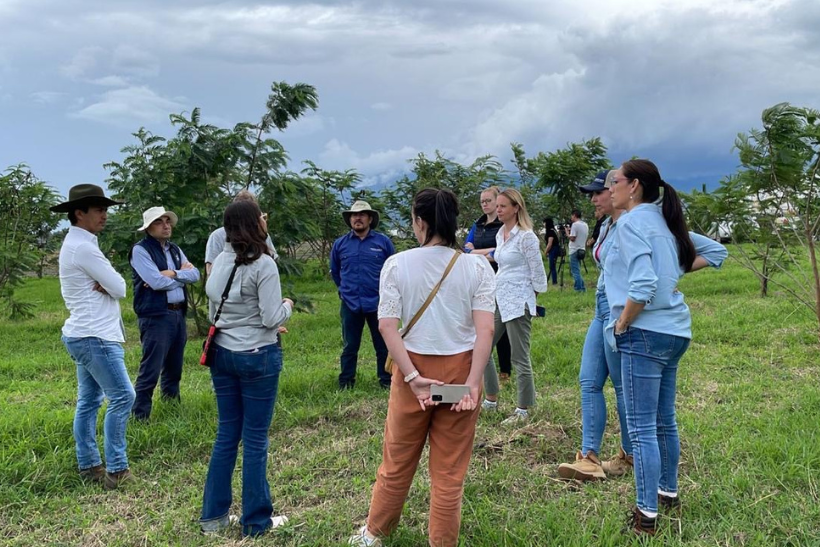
<point x="650" y="326"/>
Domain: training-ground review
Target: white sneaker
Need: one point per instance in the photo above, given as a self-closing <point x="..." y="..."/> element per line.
<point x="361" y="539"/>
<point x="276" y="522"/>
<point x="489" y="405"/>
<point x="518" y="417"/>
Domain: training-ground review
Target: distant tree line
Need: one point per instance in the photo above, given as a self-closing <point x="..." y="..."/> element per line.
<point x="770" y="203"/>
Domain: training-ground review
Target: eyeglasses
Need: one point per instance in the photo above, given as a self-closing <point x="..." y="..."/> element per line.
<point x="485" y="201"/>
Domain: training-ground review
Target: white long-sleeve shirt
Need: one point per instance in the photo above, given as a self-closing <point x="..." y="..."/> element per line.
<point x="520" y="272"/>
<point x="91" y="313"/>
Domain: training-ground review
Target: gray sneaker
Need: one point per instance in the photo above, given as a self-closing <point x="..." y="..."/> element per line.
<point x="488" y="405"/>
<point x="518" y="417"/>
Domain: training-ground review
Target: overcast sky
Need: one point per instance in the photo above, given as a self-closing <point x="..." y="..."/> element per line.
<point x="673" y="81"/>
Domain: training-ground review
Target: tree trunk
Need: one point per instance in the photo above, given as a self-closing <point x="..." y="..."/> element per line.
<point x="815" y="272"/>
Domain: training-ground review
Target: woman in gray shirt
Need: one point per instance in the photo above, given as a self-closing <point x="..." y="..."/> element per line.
<point x="245" y="371"/>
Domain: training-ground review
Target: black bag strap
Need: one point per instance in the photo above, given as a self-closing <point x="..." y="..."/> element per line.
<point x="225" y="293"/>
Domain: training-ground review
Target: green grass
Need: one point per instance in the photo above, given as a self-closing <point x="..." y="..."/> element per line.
<point x="749" y="408"/>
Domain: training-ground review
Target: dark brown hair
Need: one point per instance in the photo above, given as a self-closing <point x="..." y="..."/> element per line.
<point x="650" y="179"/>
<point x="243" y="231"/>
<point x="439" y="209"/>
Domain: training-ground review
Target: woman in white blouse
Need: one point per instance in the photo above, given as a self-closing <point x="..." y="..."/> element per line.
<point x="449" y="344"/>
<point x="521" y="276"/>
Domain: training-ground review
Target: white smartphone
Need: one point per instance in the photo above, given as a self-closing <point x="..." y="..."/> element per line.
<point x="448" y="393"/>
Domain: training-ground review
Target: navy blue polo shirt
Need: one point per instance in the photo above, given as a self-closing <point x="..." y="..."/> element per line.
<point x="355" y="265"/>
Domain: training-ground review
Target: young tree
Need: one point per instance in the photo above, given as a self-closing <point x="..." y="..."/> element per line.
<point x="197" y="173"/>
<point x="550" y="180"/>
<point x="466" y="181"/>
<point x="26" y="227"/>
<point x="774" y="201"/>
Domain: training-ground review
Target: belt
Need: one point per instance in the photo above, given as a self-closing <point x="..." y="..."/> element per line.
<point x="177" y="306"/>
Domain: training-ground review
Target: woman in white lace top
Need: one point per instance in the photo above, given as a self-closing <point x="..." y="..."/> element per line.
<point x="521" y="276"/>
<point x="449" y="344"/>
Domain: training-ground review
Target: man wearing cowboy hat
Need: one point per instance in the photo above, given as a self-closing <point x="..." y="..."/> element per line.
<point x="356" y="261"/>
<point x="93" y="334"/>
<point x="160" y="273"/>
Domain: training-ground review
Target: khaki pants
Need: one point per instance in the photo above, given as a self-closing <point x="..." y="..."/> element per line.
<point x="407" y="428"/>
<point x="518" y="330"/>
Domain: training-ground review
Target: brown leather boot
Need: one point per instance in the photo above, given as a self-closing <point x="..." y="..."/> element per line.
<point x="115" y="480"/>
<point x="585" y="468"/>
<point x="93" y="474"/>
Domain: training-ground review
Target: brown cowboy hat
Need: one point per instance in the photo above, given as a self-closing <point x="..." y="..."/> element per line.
<point x="361" y="206"/>
<point x="83" y="195"/>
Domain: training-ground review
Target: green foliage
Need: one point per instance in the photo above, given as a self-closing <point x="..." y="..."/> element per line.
<point x="196" y="174"/>
<point x="550" y="181"/>
<point x="772" y="201"/>
<point x="466" y="181"/>
<point x="26" y="227"/>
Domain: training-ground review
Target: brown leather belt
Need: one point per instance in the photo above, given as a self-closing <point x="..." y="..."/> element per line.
<point x="177" y="306"/>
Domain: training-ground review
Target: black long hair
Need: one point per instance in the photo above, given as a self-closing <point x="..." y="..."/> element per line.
<point x="650" y="179"/>
<point x="243" y="231"/>
<point x="439" y="209"/>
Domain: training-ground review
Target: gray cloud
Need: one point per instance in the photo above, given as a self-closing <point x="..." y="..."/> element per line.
<point x="130" y="106"/>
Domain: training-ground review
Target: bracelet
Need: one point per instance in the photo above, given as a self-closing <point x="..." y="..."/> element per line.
<point x="410" y="377"/>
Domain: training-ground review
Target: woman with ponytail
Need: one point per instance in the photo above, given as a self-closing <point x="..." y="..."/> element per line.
<point x="650" y="326"/>
<point x="520" y="278"/>
<point x="448" y="344"/>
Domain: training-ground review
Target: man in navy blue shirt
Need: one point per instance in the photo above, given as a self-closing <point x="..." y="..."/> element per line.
<point x="356" y="261"/>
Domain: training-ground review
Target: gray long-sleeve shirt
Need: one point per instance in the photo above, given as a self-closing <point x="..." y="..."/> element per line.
<point x="254" y="309"/>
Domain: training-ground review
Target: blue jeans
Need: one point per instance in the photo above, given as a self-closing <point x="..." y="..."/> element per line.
<point x="163" y="340"/>
<point x="597" y="362"/>
<point x="575" y="269"/>
<point x="553" y="255"/>
<point x="352" y="327"/>
<point x="246" y="384"/>
<point x="649" y="367"/>
<point x="100" y="373"/>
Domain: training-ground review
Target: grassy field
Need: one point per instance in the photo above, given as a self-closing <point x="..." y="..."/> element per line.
<point x="749" y="414"/>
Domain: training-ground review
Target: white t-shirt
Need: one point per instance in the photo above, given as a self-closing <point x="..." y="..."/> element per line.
<point x="446" y="327"/>
<point x="580" y="230"/>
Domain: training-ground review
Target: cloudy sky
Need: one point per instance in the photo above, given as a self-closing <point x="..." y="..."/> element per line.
<point x="673" y="81"/>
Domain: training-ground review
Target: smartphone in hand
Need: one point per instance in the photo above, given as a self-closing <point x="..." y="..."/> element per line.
<point x="448" y="393"/>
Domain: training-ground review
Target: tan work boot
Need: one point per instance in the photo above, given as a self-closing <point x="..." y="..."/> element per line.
<point x="619" y="465"/>
<point x="115" y="480"/>
<point x="585" y="468"/>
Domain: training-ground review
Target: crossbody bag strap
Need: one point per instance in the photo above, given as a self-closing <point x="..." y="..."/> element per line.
<point x="427" y="302"/>
<point x="225" y="293"/>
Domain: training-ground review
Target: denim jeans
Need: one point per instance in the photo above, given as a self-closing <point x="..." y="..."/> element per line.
<point x="352" y="327"/>
<point x="575" y="269"/>
<point x="553" y="256"/>
<point x="246" y="384"/>
<point x="163" y="340"/>
<point x="597" y="362"/>
<point x="649" y="367"/>
<point x="100" y="373"/>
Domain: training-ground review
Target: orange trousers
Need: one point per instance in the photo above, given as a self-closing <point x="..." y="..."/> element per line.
<point x="451" y="436"/>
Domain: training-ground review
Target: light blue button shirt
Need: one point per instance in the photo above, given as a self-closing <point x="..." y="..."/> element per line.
<point x="642" y="265"/>
<point x="149" y="272"/>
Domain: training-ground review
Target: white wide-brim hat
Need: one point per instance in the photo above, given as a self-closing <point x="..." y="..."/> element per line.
<point x="150" y="215"/>
<point x="361" y="206"/>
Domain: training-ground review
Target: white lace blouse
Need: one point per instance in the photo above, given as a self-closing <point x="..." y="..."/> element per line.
<point x="446" y="327"/>
<point x="520" y="272"/>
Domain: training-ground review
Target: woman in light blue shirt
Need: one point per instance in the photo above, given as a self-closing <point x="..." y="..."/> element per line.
<point x="650" y="326"/>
